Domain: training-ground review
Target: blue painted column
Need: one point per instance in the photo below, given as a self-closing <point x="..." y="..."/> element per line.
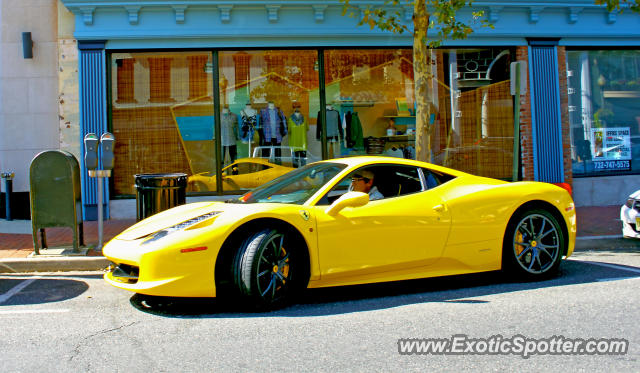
<point x="545" y="111"/>
<point x="93" y="118"/>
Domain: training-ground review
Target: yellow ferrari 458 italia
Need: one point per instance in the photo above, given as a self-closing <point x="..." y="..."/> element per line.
<point x="312" y="228"/>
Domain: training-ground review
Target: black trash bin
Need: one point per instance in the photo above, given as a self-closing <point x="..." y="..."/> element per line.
<point x="159" y="192"/>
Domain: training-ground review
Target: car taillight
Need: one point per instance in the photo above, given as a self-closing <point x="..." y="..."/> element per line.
<point x="565" y="186"/>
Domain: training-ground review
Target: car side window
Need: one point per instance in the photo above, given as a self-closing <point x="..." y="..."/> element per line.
<point x="390" y="180"/>
<point x="434" y="178"/>
<point x="399" y="181"/>
<point x="247" y="168"/>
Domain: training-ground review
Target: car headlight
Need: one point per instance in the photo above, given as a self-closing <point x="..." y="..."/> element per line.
<point x="191" y="223"/>
<point x="629" y="203"/>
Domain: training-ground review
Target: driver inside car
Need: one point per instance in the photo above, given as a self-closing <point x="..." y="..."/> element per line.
<point x="362" y="181"/>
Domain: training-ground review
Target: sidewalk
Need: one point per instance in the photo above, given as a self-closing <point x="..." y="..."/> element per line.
<point x="16" y="244"/>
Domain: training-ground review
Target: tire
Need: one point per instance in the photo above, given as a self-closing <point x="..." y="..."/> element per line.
<point x="534" y="243"/>
<point x="269" y="270"/>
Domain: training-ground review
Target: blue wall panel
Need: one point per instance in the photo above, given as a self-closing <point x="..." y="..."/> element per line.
<point x="547" y="124"/>
<point x="93" y="118"/>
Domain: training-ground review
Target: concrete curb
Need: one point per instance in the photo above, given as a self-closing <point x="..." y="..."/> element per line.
<point x="49" y="264"/>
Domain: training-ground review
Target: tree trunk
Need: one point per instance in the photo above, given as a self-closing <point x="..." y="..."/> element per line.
<point x="422" y="75"/>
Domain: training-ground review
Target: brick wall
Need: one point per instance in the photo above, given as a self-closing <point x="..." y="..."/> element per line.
<point x="526" y="131"/>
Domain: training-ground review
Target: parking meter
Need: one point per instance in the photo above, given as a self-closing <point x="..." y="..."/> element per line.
<point x="108" y="142"/>
<point x="91" y="151"/>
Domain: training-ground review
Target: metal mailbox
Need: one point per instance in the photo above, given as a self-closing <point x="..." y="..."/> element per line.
<point x="55" y="195"/>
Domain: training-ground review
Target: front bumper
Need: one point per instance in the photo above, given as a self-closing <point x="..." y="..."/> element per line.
<point x="163" y="271"/>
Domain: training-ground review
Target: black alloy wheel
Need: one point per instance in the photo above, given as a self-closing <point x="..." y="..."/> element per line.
<point x="533" y="246"/>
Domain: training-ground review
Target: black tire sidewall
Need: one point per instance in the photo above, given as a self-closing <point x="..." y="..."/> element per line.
<point x="246" y="266"/>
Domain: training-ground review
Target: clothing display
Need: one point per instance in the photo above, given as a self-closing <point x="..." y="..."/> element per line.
<point x="272" y="125"/>
<point x="249" y="119"/>
<point x="298" y="127"/>
<point x="228" y="131"/>
<point x="334" y="129"/>
<point x="228" y="128"/>
<point x="354" y="135"/>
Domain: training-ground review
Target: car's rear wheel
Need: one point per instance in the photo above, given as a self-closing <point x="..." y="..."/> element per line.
<point x="268" y="270"/>
<point x="533" y="245"/>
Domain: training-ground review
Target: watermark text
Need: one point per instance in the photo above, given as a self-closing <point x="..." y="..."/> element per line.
<point x="461" y="344"/>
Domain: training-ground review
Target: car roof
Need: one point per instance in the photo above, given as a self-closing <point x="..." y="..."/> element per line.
<point x="372" y="160"/>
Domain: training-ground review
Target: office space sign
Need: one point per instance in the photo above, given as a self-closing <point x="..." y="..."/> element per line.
<point x="611" y="148"/>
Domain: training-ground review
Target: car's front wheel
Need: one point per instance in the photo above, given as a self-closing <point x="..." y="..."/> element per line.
<point x="533" y="245"/>
<point x="268" y="270"/>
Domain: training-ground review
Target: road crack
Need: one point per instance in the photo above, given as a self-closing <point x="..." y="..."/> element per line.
<point x="76" y="350"/>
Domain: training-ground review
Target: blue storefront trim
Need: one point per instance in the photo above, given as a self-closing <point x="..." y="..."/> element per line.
<point x="93" y="118"/>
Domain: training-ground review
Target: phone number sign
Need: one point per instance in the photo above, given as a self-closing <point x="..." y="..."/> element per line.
<point x="611" y="148"/>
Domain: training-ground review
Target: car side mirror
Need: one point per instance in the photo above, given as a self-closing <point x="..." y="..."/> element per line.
<point x="349" y="199"/>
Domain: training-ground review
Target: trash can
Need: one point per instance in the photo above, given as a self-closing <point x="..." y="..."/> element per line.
<point x="159" y="192"/>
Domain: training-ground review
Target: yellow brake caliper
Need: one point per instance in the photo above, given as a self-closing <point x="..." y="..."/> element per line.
<point x="519" y="248"/>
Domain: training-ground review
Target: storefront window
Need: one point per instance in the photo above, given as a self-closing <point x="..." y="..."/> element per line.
<point x="266" y="100"/>
<point x="162" y="115"/>
<point x="604" y="111"/>
<point x="369" y="103"/>
<point x="270" y="115"/>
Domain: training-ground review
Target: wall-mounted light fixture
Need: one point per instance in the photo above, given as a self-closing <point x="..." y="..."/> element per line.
<point x="27" y="45"/>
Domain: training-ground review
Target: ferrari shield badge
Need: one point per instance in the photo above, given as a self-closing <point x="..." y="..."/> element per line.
<point x="305" y="214"/>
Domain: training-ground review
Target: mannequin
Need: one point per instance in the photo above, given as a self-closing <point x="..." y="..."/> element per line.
<point x="274" y="128"/>
<point x="333" y="128"/>
<point x="298" y="128"/>
<point x="249" y="123"/>
<point x="229" y="128"/>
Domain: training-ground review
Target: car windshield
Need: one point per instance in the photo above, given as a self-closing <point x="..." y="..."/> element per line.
<point x="294" y="187"/>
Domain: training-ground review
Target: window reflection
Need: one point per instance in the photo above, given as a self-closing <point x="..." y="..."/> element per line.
<point x="603" y="91"/>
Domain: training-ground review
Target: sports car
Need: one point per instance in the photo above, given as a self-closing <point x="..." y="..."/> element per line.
<point x="309" y="229"/>
<point x="245" y="173"/>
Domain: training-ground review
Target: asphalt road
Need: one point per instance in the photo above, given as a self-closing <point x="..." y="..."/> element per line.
<point x="75" y="322"/>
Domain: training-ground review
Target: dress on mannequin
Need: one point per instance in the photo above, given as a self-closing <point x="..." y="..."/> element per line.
<point x="298" y="128"/>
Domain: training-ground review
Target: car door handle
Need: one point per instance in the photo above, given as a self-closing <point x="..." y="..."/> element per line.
<point x="438" y="208"/>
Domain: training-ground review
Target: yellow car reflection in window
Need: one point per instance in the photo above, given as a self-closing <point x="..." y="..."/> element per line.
<point x="245" y="173"/>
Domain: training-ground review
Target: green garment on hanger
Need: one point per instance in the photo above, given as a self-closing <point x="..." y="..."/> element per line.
<point x="356" y="132"/>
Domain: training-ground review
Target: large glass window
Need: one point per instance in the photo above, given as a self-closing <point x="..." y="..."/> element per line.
<point x="604" y="111"/>
<point x="162" y="115"/>
<point x="271" y="120"/>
